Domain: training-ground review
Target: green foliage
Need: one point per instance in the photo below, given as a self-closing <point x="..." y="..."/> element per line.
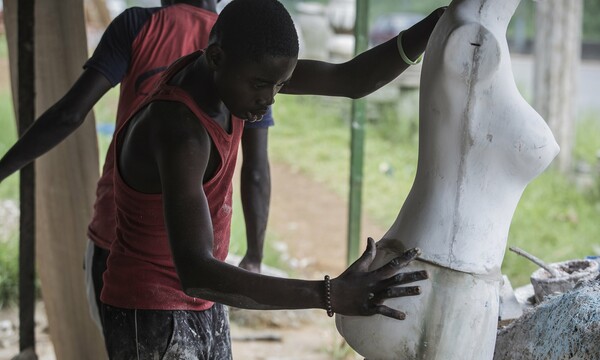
<point x="3" y="47"/>
<point x="238" y="244"/>
<point x="8" y="135"/>
<point x="105" y="111"/>
<point x="588" y="147"/>
<point x="591" y="20"/>
<point x="525" y="13"/>
<point x="9" y="188"/>
<point x="383" y="116"/>
<point x="9" y="271"/>
<point x="311" y="136"/>
<point x="382" y="7"/>
<point x="553" y="221"/>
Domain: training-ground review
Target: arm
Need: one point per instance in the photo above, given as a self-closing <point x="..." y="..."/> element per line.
<point x="58" y="122"/>
<point x="255" y="193"/>
<point x="365" y="73"/>
<point x="182" y="156"/>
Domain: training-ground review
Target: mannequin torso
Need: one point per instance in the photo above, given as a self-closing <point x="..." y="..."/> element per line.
<point x="480" y="145"/>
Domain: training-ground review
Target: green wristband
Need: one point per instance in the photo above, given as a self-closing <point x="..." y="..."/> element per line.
<point x="403" y="54"/>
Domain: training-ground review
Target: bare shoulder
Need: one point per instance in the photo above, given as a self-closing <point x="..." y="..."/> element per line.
<point x="162" y="108"/>
<point x="172" y="121"/>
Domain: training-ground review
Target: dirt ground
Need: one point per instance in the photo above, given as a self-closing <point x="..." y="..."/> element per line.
<point x="311" y="222"/>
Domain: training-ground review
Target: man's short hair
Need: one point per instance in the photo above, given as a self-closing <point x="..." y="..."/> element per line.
<point x="251" y="29"/>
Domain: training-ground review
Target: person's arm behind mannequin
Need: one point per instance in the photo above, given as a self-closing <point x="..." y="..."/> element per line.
<point x="58" y="122"/>
<point x="255" y="189"/>
<point x="365" y="73"/>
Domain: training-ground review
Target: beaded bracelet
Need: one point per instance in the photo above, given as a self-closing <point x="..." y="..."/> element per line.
<point x="328" y="306"/>
<point x="403" y="54"/>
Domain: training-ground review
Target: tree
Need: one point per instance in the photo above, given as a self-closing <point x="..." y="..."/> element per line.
<point x="66" y="178"/>
<point x="98" y="12"/>
<point x="557" y="60"/>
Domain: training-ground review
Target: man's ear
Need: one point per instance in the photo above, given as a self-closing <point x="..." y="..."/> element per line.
<point x="214" y="56"/>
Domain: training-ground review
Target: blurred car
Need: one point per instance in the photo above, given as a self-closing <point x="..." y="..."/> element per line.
<point x="387" y="26"/>
<point x="383" y="29"/>
<point x="115" y="7"/>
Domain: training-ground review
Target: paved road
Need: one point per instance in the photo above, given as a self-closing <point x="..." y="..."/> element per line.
<point x="588" y="94"/>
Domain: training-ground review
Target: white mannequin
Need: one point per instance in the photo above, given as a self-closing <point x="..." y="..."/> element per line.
<point x="480" y="144"/>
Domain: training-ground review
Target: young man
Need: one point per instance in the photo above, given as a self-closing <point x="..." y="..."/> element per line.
<point x="166" y="279"/>
<point x="135" y="49"/>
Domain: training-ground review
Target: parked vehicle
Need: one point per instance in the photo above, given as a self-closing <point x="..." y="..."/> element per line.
<point x="387" y="26"/>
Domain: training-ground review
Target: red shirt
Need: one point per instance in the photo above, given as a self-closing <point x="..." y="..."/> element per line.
<point x="135" y="50"/>
<point x="141" y="273"/>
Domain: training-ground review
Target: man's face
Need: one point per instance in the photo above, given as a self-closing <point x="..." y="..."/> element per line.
<point x="247" y="88"/>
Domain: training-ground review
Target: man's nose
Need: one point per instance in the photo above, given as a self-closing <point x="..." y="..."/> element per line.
<point x="268" y="99"/>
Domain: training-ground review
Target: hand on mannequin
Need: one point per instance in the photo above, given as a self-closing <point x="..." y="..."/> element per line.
<point x="366" y="290"/>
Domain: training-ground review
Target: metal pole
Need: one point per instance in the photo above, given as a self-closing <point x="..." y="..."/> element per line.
<point x="26" y="116"/>
<point x="357" y="139"/>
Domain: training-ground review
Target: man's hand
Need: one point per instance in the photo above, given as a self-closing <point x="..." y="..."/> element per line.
<point x="359" y="291"/>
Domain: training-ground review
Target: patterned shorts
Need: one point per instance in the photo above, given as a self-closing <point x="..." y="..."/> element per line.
<point x="167" y="334"/>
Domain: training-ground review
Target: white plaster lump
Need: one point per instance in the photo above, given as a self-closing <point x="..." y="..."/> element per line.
<point x="480" y="144"/>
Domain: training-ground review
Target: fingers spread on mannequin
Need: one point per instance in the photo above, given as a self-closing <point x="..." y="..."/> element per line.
<point x="403" y="278"/>
<point x="389" y="312"/>
<point x="392" y="267"/>
<point x="395" y="292"/>
<point x="365" y="260"/>
<point x="411" y="254"/>
<point x="371" y="248"/>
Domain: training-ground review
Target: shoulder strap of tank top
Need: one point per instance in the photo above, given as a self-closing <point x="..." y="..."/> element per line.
<point x="174" y="68"/>
<point x="174" y="93"/>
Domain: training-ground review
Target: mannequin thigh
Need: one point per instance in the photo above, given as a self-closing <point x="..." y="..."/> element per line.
<point x="454" y="318"/>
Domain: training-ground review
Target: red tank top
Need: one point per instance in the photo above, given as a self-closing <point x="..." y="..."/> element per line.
<point x="170" y="33"/>
<point x="141" y="273"/>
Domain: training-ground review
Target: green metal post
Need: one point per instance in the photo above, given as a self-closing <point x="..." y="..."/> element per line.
<point x="357" y="139"/>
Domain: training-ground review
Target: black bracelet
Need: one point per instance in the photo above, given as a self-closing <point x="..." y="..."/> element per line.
<point x="328" y="306"/>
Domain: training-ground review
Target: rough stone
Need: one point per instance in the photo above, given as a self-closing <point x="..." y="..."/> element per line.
<point x="565" y="326"/>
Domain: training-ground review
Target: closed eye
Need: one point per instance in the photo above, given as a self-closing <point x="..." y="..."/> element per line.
<point x="261" y="85"/>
